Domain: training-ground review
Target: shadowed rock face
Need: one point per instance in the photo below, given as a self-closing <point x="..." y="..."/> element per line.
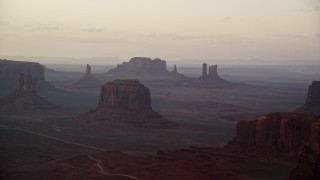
<point x="25" y="97"/>
<point x="313" y="93"/>
<point x="88" y="81"/>
<point x="10" y="70"/>
<point x="144" y="67"/>
<point x="129" y="94"/>
<point x="211" y="74"/>
<point x="278" y="134"/>
<point x="312" y="105"/>
<point x="25" y="83"/>
<point x="125" y="102"/>
<point x="308" y="168"/>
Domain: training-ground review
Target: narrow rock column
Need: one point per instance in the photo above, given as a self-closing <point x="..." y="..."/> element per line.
<point x="204" y="70"/>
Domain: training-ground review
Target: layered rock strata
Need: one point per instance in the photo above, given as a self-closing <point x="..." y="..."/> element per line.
<point x="125" y="102"/>
<point x="283" y="134"/>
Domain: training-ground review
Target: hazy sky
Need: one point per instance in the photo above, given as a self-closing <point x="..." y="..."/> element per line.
<point x="273" y="30"/>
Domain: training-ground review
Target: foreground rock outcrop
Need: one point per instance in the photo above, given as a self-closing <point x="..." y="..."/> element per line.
<point x="125" y="102"/>
<point x="25" y="98"/>
<point x="312" y="105"/>
<point x="308" y="168"/>
<point x="88" y="81"/>
<point x="278" y="134"/>
<point x="144" y="67"/>
<point x="10" y="70"/>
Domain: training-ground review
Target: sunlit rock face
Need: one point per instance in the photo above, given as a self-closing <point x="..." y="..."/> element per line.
<point x="125" y="102"/>
<point x="312" y="105"/>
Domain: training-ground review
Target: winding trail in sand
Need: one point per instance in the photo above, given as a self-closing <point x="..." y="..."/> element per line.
<point x="101" y="170"/>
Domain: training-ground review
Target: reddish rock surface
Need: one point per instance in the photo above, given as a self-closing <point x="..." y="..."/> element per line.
<point x="88" y="81"/>
<point x="308" y="168"/>
<point x="128" y="102"/>
<point x="312" y="105"/>
<point x="25" y="97"/>
<point x="278" y="134"/>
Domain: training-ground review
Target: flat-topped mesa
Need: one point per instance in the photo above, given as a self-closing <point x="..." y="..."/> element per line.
<point x="312" y="105"/>
<point x="128" y="94"/>
<point x="141" y="66"/>
<point x="10" y="70"/>
<point x="124" y="102"/>
<point x="25" y="83"/>
<point x="276" y="134"/>
<point x="144" y="67"/>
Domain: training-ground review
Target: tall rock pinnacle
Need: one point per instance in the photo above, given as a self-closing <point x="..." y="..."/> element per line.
<point x="312" y="105"/>
<point x="88" y="70"/>
<point x="313" y="93"/>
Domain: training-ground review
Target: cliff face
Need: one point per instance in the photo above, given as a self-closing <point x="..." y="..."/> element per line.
<point x="142" y="66"/>
<point x="88" y="81"/>
<point x="125" y="102"/>
<point x="25" y="98"/>
<point x="278" y="133"/>
<point x="129" y="94"/>
<point x="312" y="105"/>
<point x="10" y="70"/>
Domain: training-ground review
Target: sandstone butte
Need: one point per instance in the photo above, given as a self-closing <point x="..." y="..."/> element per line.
<point x="125" y="102"/>
<point x="279" y="134"/>
<point x="25" y="97"/>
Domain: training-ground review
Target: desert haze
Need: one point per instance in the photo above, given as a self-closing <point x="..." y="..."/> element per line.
<point x="154" y="90"/>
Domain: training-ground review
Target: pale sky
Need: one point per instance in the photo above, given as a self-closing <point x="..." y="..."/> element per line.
<point x="266" y="30"/>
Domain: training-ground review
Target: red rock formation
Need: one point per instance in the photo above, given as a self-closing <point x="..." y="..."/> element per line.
<point x="25" y="98"/>
<point x="125" y="102"/>
<point x="129" y="94"/>
<point x="88" y="81"/>
<point x="312" y="105"/>
<point x="278" y="134"/>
